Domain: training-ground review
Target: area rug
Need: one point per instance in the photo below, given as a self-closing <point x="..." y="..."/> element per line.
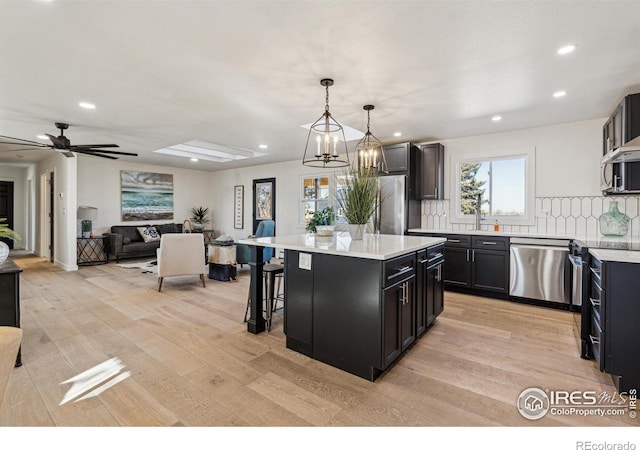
<point x="145" y="266"/>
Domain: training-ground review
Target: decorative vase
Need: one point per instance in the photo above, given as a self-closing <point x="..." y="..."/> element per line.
<point x="325" y="230"/>
<point x="614" y="222"/>
<point x="198" y="226"/>
<point x="4" y="252"/>
<point x="356" y="230"/>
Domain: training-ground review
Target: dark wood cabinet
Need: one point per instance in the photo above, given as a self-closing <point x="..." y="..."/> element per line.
<point x="400" y="156"/>
<point x="476" y="262"/>
<point x="430" y="297"/>
<point x="430" y="180"/>
<point x="398" y="330"/>
<point x="614" y="313"/>
<point x="10" y="297"/>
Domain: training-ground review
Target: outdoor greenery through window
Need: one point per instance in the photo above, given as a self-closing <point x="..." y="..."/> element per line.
<point x="501" y="182"/>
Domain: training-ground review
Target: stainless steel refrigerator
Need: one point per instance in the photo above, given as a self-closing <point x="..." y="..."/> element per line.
<point x="398" y="211"/>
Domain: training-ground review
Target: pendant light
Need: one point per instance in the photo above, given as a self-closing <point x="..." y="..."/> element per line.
<point x="369" y="151"/>
<point x="326" y="145"/>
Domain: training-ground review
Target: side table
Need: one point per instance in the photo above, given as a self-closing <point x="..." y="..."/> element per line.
<point x="222" y="262"/>
<point x="91" y="251"/>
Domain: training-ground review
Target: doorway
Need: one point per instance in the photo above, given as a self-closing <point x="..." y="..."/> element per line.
<point x="47" y="203"/>
<point x="264" y="201"/>
<point x="6" y="207"/>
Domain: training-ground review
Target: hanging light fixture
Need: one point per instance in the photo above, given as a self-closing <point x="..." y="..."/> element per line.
<point x="324" y="135"/>
<point x="369" y="151"/>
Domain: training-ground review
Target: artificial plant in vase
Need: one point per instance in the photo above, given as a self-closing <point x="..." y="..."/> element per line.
<point x="359" y="198"/>
<point x="7" y="233"/>
<point x="199" y="217"/>
<point x="321" y="218"/>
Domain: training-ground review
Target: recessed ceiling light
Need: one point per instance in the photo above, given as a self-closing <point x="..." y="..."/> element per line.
<point x="567" y="49"/>
<point x="559" y="94"/>
<point x="397" y="134"/>
<point x="87" y="105"/>
<point x="263" y="146"/>
<point x="496" y="118"/>
<point x="194" y="159"/>
<point x="42" y="136"/>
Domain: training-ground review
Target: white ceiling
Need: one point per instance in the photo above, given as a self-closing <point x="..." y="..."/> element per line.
<point x="244" y="73"/>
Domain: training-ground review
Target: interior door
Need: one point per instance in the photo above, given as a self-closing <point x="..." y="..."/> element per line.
<point x="6" y="206"/>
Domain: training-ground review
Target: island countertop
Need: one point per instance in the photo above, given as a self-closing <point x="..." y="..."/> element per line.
<point x="372" y="246"/>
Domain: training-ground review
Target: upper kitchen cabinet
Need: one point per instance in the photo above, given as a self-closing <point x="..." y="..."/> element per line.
<point x="401" y="158"/>
<point x="430" y="181"/>
<point x="623" y="124"/>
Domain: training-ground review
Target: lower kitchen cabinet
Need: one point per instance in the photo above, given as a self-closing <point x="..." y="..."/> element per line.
<point x="430" y="297"/>
<point x="476" y="262"/>
<point x="398" y="318"/>
<point x="614" y="314"/>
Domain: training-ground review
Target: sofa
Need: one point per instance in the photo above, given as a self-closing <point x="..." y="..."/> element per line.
<point x="126" y="241"/>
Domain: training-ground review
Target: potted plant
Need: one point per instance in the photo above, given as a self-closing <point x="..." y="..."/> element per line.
<point x="7" y="233"/>
<point x="359" y="199"/>
<point x="199" y="217"/>
<point x="322" y="222"/>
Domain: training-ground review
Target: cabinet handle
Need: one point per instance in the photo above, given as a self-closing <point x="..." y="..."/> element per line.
<point x="467" y="254"/>
<point x="489" y="243"/>
<point x="473" y="256"/>
<point x="436" y="193"/>
<point x="423" y="261"/>
<point x="594" y="340"/>
<point x="436" y="256"/>
<point x="404" y="293"/>
<point x="402" y="270"/>
<point x="594" y="302"/>
<point x="439" y="274"/>
<point x="457" y="241"/>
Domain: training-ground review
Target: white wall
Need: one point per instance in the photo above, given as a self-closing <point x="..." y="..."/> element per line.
<point x="567" y="164"/>
<point x="567" y="156"/>
<point x="64" y="207"/>
<point x="18" y="175"/>
<point x="99" y="186"/>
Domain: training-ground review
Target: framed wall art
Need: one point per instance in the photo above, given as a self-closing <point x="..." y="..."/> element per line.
<point x="264" y="200"/>
<point x="146" y="195"/>
<point x="238" y="206"/>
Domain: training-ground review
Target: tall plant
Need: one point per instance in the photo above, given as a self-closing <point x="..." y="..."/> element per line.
<point x="360" y="198"/>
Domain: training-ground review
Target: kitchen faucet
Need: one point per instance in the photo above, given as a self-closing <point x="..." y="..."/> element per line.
<point x="478" y="212"/>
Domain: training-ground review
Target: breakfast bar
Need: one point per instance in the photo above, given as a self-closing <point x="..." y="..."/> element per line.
<point x="354" y="304"/>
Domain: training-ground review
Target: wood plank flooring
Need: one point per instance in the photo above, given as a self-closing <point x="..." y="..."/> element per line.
<point x="193" y="363"/>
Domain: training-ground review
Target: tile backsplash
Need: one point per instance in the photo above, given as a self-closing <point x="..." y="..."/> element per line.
<point x="574" y="216"/>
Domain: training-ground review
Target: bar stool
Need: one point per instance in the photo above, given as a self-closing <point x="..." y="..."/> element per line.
<point x="270" y="273"/>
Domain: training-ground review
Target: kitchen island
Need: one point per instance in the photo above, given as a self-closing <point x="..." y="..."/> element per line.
<point x="354" y="304"/>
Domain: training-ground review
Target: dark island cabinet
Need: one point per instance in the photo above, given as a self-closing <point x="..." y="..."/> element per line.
<point x="431" y="178"/>
<point x="430" y="299"/>
<point x="613" y="313"/>
<point x="357" y="314"/>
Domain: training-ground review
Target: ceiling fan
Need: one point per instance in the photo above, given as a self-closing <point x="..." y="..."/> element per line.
<point x="63" y="144"/>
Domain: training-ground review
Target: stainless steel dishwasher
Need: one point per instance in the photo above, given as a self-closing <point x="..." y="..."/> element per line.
<point x="540" y="269"/>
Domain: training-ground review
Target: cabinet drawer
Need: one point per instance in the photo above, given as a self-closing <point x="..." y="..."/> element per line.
<point x="490" y="242"/>
<point x="433" y="255"/>
<point x="457" y="240"/>
<point x="399" y="268"/>
<point x="595" y="267"/>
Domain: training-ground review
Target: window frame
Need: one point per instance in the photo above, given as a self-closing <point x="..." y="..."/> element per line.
<point x="529" y="187"/>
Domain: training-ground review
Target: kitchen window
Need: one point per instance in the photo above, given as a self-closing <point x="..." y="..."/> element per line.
<point x="315" y="196"/>
<point x="505" y="184"/>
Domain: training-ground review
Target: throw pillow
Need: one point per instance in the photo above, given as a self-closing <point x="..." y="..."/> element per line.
<point x="126" y="240"/>
<point x="149" y="234"/>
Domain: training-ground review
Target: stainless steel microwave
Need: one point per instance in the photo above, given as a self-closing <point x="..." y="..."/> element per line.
<point x="620" y="178"/>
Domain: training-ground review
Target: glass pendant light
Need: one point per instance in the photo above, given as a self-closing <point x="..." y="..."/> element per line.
<point x="369" y="151"/>
<point x="326" y="145"/>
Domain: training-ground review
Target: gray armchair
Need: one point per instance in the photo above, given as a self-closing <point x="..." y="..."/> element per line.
<point x="266" y="228"/>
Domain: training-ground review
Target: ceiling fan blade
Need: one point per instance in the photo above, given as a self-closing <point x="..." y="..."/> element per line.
<point x="85" y="152"/>
<point x="109" y="152"/>
<point x="55" y="141"/>
<point x="96" y="146"/>
<point x="22" y="140"/>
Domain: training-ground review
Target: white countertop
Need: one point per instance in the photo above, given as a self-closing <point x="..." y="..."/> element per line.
<point x="372" y="246"/>
<point x="492" y="233"/>
<point x="616" y="255"/>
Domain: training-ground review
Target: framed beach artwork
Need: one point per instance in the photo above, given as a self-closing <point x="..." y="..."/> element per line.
<point x="146" y="195"/>
<point x="264" y="200"/>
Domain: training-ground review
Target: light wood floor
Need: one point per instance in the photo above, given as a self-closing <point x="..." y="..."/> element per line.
<point x="193" y="363"/>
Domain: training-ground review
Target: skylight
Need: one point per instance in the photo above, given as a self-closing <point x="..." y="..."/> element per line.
<point x="208" y="151"/>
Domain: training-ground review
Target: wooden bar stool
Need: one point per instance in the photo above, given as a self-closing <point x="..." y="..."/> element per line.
<point x="271" y="272"/>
